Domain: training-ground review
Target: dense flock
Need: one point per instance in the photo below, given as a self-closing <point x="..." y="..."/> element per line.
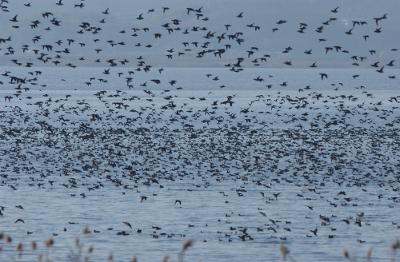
<point x="181" y="122"/>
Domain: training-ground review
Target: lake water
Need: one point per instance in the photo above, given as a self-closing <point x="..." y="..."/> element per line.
<point x="317" y="168"/>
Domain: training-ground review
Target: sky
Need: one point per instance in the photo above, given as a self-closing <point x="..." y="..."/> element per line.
<point x="264" y="13"/>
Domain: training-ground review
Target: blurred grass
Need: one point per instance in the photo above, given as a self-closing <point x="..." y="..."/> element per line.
<point x="11" y="251"/>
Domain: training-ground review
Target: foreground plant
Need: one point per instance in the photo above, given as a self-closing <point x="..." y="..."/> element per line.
<point x="394" y="248"/>
<point x="77" y="253"/>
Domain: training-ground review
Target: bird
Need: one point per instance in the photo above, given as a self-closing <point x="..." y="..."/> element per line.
<point x="276" y="195"/>
<point x="314" y="231"/>
<point x="391" y="63"/>
<point x="106" y="12"/>
<point x="335" y="10"/>
<point x="14" y="19"/>
<point x="128" y="224"/>
<point x="323" y="75"/>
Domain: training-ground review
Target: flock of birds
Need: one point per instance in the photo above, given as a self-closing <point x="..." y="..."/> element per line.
<point x="156" y="131"/>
